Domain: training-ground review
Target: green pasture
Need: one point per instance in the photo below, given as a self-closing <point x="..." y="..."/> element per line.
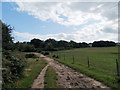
<point x="102" y="62"/>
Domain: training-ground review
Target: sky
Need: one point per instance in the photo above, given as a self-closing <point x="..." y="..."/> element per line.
<point x="77" y="21"/>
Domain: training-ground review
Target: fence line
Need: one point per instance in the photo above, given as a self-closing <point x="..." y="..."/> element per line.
<point x="88" y="61"/>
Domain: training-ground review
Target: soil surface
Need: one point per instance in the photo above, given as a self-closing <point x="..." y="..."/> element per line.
<point x="67" y="77"/>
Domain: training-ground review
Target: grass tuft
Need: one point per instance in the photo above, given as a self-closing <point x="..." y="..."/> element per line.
<point x="51" y="78"/>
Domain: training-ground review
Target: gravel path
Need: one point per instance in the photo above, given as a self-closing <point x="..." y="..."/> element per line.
<point x="69" y="78"/>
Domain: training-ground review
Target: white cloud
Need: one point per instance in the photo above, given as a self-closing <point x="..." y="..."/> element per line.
<point x="83" y="36"/>
<point x="59" y="1"/>
<point x="75" y="14"/>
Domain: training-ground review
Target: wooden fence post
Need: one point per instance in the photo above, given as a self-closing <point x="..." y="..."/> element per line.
<point x="117" y="67"/>
<point x="59" y="55"/>
<point x="88" y="62"/>
<point x="64" y="57"/>
<point x="73" y="59"/>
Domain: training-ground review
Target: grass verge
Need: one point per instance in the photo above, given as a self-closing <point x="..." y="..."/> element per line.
<point x="33" y="68"/>
<point x="51" y="78"/>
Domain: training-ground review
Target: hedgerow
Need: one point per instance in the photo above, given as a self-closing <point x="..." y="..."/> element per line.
<point x="12" y="69"/>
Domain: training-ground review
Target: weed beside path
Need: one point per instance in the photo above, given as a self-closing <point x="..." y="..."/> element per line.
<point x="32" y="70"/>
<point x="51" y="78"/>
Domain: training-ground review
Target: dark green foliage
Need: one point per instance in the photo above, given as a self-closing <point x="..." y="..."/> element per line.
<point x="83" y="45"/>
<point x="55" y="56"/>
<point x="13" y="68"/>
<point x="53" y="45"/>
<point x="118" y="79"/>
<point x="103" y="44"/>
<point x="63" y="44"/>
<point x="53" y="42"/>
<point x="7" y="40"/>
<point x="24" y="47"/>
<point x="45" y="52"/>
<point x="74" y="44"/>
<point x="37" y="43"/>
<point x="49" y="47"/>
<point x="38" y="50"/>
<point x="30" y="56"/>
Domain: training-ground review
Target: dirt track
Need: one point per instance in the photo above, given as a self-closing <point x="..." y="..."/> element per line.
<point x="69" y="78"/>
<point x="39" y="82"/>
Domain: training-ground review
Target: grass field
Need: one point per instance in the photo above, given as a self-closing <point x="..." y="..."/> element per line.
<point x="32" y="70"/>
<point x="51" y="78"/>
<point x="102" y="62"/>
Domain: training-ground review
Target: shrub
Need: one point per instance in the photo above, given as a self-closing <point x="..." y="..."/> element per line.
<point x="53" y="56"/>
<point x="13" y="69"/>
<point x="45" y="52"/>
<point x="57" y="56"/>
<point x="38" y="50"/>
<point x="24" y="47"/>
<point x="30" y="56"/>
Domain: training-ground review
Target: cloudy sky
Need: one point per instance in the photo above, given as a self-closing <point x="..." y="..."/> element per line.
<point x="78" y="21"/>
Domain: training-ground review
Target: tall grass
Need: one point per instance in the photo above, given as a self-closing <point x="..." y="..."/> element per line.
<point x="51" y="78"/>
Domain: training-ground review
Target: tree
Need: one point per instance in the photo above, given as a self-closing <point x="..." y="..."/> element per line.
<point x="37" y="43"/>
<point x="103" y="43"/>
<point x="12" y="67"/>
<point x="52" y="41"/>
<point x="63" y="44"/>
<point x="7" y="39"/>
<point x="83" y="45"/>
<point x="24" y="47"/>
<point x="73" y="44"/>
<point x="49" y="47"/>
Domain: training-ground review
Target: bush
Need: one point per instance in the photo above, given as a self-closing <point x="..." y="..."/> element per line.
<point x="13" y="69"/>
<point x="53" y="56"/>
<point x="45" y="52"/>
<point x="30" y="56"/>
<point x="38" y="50"/>
<point x="57" y="56"/>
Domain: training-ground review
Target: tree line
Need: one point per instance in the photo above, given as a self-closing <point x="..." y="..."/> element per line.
<point x="54" y="45"/>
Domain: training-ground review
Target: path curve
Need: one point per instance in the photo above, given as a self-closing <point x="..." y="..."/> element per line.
<point x="69" y="78"/>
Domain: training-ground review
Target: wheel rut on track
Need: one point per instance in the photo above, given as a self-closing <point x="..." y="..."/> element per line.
<point x="69" y="78"/>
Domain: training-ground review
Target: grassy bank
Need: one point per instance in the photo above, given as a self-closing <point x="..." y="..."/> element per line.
<point x="102" y="62"/>
<point x="32" y="70"/>
<point x="51" y="78"/>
